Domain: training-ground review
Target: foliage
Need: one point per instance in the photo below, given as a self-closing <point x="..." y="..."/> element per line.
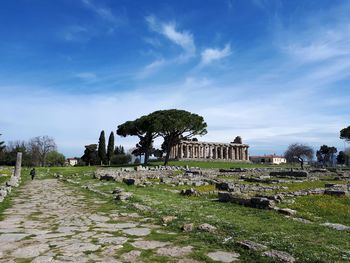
<point x="341" y="158"/>
<point x="175" y="125"/>
<point x="325" y="154"/>
<point x="90" y="156"/>
<point x="299" y="152"/>
<point x="345" y="134"/>
<point x="34" y="152"/>
<point x="121" y="159"/>
<point x="2" y="145"/>
<point x="55" y="159"/>
<point x="102" y="148"/>
<point x="145" y="128"/>
<point x="110" y="147"/>
<point x="119" y="150"/>
<point x="39" y="147"/>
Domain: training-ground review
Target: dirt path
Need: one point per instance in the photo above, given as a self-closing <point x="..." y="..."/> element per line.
<point x="49" y="222"/>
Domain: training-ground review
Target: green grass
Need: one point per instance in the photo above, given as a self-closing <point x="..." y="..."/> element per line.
<point x="321" y="208"/>
<point x="307" y="242"/>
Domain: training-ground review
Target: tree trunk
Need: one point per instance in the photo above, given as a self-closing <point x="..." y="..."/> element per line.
<point x="167" y="157"/>
<point x="146" y="158"/>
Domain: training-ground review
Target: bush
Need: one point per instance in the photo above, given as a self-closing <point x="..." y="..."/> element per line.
<point x="121" y="159"/>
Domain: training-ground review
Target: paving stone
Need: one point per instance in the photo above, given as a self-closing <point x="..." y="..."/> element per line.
<point x="132" y="255"/>
<point x="145" y="244"/>
<point x="137" y="231"/>
<point x="174" y="251"/>
<point x="30" y="251"/>
<point x="223" y="256"/>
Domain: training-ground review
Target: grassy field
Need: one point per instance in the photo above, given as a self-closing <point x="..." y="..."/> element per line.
<point x="307" y="242"/>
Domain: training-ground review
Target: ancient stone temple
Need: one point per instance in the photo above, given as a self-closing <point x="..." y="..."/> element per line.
<point x="235" y="151"/>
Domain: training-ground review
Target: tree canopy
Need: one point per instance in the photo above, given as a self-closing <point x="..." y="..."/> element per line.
<point x="345" y="134"/>
<point x="90" y="156"/>
<point x="145" y="128"/>
<point x="298" y="152"/>
<point x="325" y="154"/>
<point x="173" y="125"/>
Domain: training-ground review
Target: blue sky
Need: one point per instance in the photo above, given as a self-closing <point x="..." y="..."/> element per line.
<point x="274" y="72"/>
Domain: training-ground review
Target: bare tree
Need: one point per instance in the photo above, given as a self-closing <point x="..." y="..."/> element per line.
<point x="298" y="152"/>
<point x="39" y="147"/>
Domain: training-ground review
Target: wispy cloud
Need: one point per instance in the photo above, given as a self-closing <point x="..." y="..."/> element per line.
<point x="86" y="76"/>
<point x="169" y="30"/>
<point x="152" y="68"/>
<point x="210" y="55"/>
<point x="75" y="33"/>
<point x="103" y="12"/>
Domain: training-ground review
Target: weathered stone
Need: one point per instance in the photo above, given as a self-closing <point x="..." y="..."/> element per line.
<point x="189" y="192"/>
<point x="222" y="256"/>
<point x="168" y="219"/>
<point x="144" y="244"/>
<point x="30" y="251"/>
<point x="187" y="227"/>
<point x="132" y="255"/>
<point x="339" y="227"/>
<point x="290" y="174"/>
<point x="137" y="231"/>
<point x="123" y="196"/>
<point x="207" y="228"/>
<point x="279" y="255"/>
<point x="251" y="245"/>
<point x="286" y="211"/>
<point x="174" y="251"/>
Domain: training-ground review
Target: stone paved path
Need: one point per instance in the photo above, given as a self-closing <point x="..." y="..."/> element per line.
<point x="49" y="222"/>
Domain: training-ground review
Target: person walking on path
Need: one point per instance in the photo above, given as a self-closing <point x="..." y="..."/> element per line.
<point x="32" y="173"/>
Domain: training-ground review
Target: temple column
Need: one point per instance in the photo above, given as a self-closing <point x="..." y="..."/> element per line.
<point x="246" y="154"/>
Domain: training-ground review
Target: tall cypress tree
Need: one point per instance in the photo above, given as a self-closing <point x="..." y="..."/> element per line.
<point x="2" y="145"/>
<point x="102" y="148"/>
<point x="110" y="147"/>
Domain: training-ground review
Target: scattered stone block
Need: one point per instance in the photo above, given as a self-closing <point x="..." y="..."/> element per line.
<point x="251" y="245"/>
<point x="168" y="219"/>
<point x="123" y="196"/>
<point x="207" y="228"/>
<point x="223" y="256"/>
<point x="290" y="174"/>
<point x="189" y="192"/>
<point x="187" y="227"/>
<point x="339" y="227"/>
<point x="280" y="256"/>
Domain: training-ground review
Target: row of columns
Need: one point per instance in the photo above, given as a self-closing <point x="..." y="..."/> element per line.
<point x="209" y="151"/>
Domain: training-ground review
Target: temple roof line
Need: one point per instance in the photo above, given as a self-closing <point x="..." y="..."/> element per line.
<point x="215" y="143"/>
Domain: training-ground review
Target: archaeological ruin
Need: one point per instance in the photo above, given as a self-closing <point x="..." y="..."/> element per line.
<point x="235" y="151"/>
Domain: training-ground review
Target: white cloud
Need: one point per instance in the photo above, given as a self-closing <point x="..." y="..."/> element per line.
<point x="210" y="55"/>
<point x="184" y="39"/>
<point x="152" y="68"/>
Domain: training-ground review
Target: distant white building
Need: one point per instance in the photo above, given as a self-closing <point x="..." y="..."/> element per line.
<point x="71" y="161"/>
<point x="268" y="159"/>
